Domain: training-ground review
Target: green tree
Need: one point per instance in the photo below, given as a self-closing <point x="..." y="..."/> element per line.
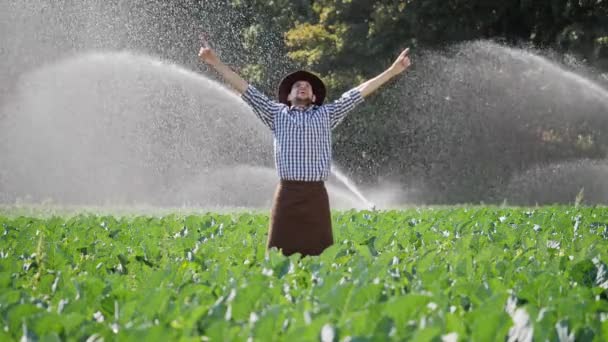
<point x="347" y="42"/>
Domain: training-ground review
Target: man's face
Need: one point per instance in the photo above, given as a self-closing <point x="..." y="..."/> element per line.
<point x="301" y="93"/>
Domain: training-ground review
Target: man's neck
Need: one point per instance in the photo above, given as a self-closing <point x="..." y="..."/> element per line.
<point x="301" y="106"/>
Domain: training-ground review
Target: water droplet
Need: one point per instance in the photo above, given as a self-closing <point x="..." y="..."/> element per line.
<point x="328" y="333"/>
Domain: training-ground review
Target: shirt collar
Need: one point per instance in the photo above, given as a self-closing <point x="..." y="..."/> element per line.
<point x="302" y="109"/>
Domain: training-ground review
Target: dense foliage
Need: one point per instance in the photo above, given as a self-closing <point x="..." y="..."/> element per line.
<point x="341" y="39"/>
<point x="406" y="133"/>
<point x="464" y="123"/>
<point x="478" y="274"/>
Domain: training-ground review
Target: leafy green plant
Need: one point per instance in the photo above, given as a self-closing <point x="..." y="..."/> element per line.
<point x="478" y="274"/>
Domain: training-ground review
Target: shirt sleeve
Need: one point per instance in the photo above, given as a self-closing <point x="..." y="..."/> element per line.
<point x="338" y="109"/>
<point x="262" y="106"/>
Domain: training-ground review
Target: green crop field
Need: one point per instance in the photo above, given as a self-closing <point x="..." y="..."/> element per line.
<point x="432" y="274"/>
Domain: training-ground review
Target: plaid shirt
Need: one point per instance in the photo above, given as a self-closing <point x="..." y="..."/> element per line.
<point x="302" y="138"/>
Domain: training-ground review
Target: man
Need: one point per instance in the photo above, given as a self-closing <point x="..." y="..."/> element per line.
<point x="301" y="124"/>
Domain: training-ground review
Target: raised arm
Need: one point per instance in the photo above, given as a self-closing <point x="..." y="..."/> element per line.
<point x="400" y="65"/>
<point x="339" y="108"/>
<point x="207" y="55"/>
<point x="262" y="106"/>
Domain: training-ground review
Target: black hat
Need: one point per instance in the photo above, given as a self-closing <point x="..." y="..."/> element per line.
<point x="318" y="88"/>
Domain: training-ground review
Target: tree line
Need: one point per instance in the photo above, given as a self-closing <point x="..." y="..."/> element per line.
<point x="347" y="42"/>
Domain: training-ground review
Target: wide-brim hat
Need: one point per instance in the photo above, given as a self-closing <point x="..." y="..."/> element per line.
<point x="318" y="88"/>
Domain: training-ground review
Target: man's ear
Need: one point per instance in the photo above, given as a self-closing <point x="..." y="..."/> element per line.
<point x="314" y="98"/>
<point x="289" y="97"/>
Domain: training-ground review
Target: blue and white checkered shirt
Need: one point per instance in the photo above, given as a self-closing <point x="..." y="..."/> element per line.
<point x="302" y="138"/>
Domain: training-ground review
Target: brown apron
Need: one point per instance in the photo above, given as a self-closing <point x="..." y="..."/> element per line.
<point x="300" y="220"/>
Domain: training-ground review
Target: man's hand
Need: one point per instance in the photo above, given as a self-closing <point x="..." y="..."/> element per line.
<point x="206" y="53"/>
<point x="401" y="63"/>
